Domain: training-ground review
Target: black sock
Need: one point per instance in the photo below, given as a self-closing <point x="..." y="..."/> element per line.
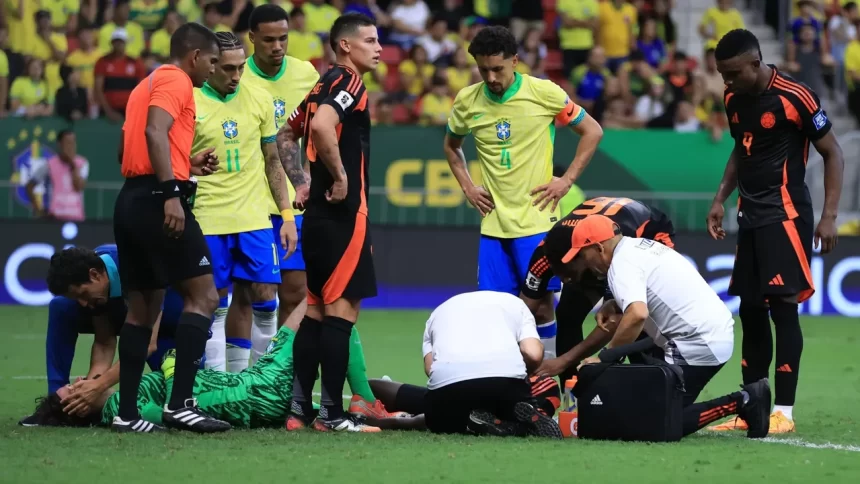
<point x="789" y="347"/>
<point x="306" y="362"/>
<point x="571" y="311"/>
<point x="757" y="347"/>
<point x="133" y="346"/>
<point x="334" y="358"/>
<point x="699" y="415"/>
<point x="191" y="335"/>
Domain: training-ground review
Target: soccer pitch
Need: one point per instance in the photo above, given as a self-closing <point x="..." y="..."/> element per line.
<point x="826" y="447"/>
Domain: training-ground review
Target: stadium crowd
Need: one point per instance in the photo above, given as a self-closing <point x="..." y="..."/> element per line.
<point x="619" y="59"/>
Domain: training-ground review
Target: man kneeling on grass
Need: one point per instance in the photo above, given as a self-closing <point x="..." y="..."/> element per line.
<point x="257" y="397"/>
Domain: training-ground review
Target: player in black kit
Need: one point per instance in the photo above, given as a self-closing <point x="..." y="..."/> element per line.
<point x="335" y="122"/>
<point x="772" y="119"/>
<point x="579" y="296"/>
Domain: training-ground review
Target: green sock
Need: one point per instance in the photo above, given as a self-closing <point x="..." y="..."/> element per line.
<point x="356" y="370"/>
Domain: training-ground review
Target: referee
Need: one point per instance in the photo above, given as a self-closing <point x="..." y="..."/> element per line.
<point x="158" y="240"/>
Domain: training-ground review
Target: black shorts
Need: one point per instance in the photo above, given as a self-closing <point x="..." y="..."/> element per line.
<point x="338" y="259"/>
<point x="148" y="258"/>
<point x="447" y="408"/>
<point x="695" y="380"/>
<point x="774" y="261"/>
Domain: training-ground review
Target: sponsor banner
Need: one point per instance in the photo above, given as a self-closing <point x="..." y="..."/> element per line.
<point x="447" y="265"/>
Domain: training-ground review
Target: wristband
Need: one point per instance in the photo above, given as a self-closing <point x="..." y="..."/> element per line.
<point x="169" y="189"/>
<point x="287" y="215"/>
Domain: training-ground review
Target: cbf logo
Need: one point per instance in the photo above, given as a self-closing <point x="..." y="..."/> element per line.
<point x="503" y="129"/>
<point x="231" y="129"/>
<point x="28" y="153"/>
<point x="271" y="346"/>
<point x="280" y="108"/>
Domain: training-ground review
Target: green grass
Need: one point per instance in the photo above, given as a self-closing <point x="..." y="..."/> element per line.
<point x="827" y="411"/>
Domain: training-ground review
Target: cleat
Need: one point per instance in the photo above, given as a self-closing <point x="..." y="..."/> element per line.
<point x="137" y="425"/>
<point x="482" y="422"/>
<point x="780" y="424"/>
<point x="375" y="409"/>
<point x="755" y="412"/>
<point x="29" y="421"/>
<point x="734" y="423"/>
<point x="295" y="422"/>
<point x="538" y="423"/>
<point x="348" y="423"/>
<point x="192" y="418"/>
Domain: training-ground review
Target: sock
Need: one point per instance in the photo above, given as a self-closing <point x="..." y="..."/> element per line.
<point x="133" y="346"/>
<point x="191" y="335"/>
<point x="757" y="346"/>
<point x="547" y="332"/>
<point x="334" y="358"/>
<point x="546" y="394"/>
<point x="356" y="369"/>
<point x="700" y="415"/>
<point x="238" y="354"/>
<point x="785" y="409"/>
<point x="265" y="326"/>
<point x="216" y="357"/>
<point x="306" y="361"/>
<point x="789" y="347"/>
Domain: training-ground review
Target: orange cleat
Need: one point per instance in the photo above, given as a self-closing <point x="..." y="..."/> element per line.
<point x="375" y="409"/>
<point x="734" y="423"/>
<point x="294" y="423"/>
<point x="780" y="424"/>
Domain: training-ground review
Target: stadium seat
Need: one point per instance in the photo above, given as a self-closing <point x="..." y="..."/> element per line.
<point x="392" y="81"/>
<point x="401" y="114"/>
<point x="391" y="55"/>
<point x="554" y="61"/>
<point x="72" y="41"/>
<point x="549" y="5"/>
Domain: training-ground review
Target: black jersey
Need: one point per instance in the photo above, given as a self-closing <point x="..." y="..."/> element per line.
<point x="772" y="132"/>
<point x="342" y="89"/>
<point x="633" y="217"/>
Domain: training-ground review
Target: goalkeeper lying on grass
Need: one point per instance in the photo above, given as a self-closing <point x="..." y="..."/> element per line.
<point x="256" y="397"/>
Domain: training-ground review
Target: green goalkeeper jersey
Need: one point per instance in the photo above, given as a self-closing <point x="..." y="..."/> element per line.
<point x="257" y="397"/>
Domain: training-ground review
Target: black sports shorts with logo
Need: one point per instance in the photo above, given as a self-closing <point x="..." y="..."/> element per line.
<point x="773" y="260"/>
<point x="148" y="258"/>
<point x="338" y="258"/>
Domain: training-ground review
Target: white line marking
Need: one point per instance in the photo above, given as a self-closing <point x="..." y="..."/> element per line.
<point x="794" y="442"/>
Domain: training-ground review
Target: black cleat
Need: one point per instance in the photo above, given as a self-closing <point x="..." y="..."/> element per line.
<point x="482" y="422"/>
<point x="538" y="423"/>
<point x="29" y="421"/>
<point x="192" y="418"/>
<point x="756" y="412"/>
<point x="137" y="425"/>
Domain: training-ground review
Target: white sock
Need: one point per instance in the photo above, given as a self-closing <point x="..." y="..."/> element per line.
<point x="785" y="409"/>
<point x="238" y="354"/>
<point x="547" y="334"/>
<point x="264" y="328"/>
<point x="216" y="347"/>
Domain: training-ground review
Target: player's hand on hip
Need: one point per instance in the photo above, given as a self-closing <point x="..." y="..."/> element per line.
<point x="204" y="163"/>
<point x="715" y="221"/>
<point x="289" y="237"/>
<point x="481" y="199"/>
<point x="302" y="193"/>
<point x="825" y="235"/>
<point x="551" y="192"/>
<point x="337" y="192"/>
<point x="174" y="218"/>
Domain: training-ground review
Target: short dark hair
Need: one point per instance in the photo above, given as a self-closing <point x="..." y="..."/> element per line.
<point x="228" y="41"/>
<point x="710" y="51"/>
<point x="347" y="24"/>
<point x="297" y="12"/>
<point x="266" y="13"/>
<point x="62" y="134"/>
<point x="49" y="413"/>
<point x="679" y="56"/>
<point x="211" y="7"/>
<point x="189" y="37"/>
<point x="735" y="43"/>
<point x="494" y="40"/>
<point x="850" y="6"/>
<point x="71" y="267"/>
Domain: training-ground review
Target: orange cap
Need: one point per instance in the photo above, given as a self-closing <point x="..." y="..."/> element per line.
<point x="591" y="230"/>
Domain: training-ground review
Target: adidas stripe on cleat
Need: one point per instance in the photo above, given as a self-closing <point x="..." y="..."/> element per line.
<point x="135" y="426"/>
<point x="192" y="418"/>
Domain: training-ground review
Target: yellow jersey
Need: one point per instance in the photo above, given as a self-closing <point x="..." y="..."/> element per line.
<point x="410" y="68"/>
<point x="22" y="29"/>
<point x="370" y="84"/>
<point x="852" y="63"/>
<point x="133" y="47"/>
<point x="4" y="64"/>
<point x="616" y="28"/>
<point x="319" y="18"/>
<point x="148" y="14"/>
<point x="39" y="48"/>
<point x="721" y="22"/>
<point x="458" y="78"/>
<point x="235" y="198"/>
<point x="85" y="63"/>
<point x="577" y="38"/>
<point x="514" y="135"/>
<point x="434" y="108"/>
<point x="288" y="89"/>
<point x="159" y="44"/>
<point x="30" y="92"/>
<point x="61" y="10"/>
<point x="304" y="45"/>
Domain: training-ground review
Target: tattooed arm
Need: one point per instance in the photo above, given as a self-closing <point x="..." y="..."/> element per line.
<point x="291" y="156"/>
<point x="275" y="175"/>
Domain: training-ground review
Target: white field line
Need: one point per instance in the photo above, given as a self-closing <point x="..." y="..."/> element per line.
<point x="794" y="442"/>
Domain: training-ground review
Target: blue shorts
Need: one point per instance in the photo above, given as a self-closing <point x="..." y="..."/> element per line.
<point x="296" y="262"/>
<point x="503" y="264"/>
<point x="249" y="256"/>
